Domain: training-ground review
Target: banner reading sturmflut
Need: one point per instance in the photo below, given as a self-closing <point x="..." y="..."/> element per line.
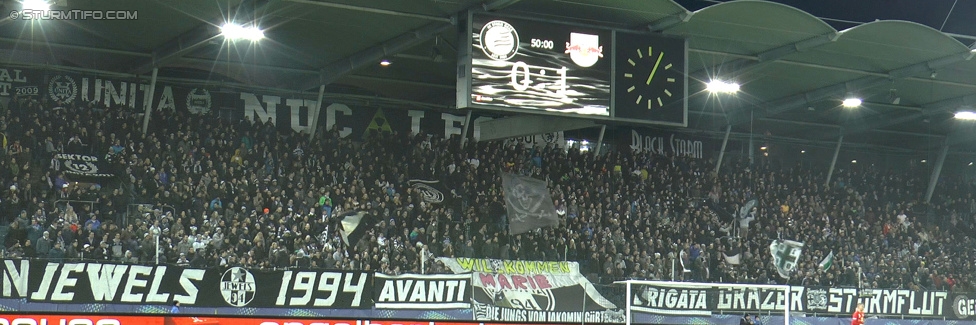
<point x="532" y="291"/>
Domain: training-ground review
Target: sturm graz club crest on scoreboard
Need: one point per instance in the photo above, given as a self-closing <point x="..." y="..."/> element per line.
<point x="237" y="286"/>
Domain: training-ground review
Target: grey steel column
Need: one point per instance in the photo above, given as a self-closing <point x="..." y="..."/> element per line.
<point x="464" y="131"/>
<point x="149" y="101"/>
<point x="934" y="180"/>
<point x="314" y="123"/>
<point x="721" y="154"/>
<point x="599" y="140"/>
<point x="833" y="163"/>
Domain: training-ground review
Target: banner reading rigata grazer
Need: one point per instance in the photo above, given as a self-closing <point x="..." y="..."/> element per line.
<point x="533" y="291"/>
<point x="675" y="299"/>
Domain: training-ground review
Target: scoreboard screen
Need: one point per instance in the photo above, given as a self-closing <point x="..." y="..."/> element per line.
<point x="530" y="65"/>
<point x="527" y="66"/>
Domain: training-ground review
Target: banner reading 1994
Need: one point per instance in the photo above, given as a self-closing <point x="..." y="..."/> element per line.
<point x="49" y="282"/>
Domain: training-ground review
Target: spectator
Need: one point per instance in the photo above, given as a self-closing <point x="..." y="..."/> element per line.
<point x="244" y="194"/>
<point x="44" y="245"/>
<point x="56" y="254"/>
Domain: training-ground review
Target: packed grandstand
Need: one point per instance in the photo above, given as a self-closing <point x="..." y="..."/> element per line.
<point x="245" y="193"/>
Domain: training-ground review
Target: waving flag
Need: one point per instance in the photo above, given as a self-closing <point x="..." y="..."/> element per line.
<point x="529" y="204"/>
<point x="786" y="254"/>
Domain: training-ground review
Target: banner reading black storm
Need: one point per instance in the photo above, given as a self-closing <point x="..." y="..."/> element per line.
<point x="531" y="291"/>
<point x="678" y="300"/>
<point x="667" y="143"/>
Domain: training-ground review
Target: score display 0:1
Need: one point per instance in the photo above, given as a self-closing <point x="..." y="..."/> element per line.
<point x="521" y="68"/>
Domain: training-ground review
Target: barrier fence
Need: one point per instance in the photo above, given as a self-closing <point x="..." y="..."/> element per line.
<point x="483" y="290"/>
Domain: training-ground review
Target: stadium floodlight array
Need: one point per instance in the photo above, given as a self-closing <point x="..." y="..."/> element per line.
<point x="233" y="31"/>
<point x="698" y="285"/>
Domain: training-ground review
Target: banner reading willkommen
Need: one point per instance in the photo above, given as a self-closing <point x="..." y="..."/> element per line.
<point x="533" y="291"/>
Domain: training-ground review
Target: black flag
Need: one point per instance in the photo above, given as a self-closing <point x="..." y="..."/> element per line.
<point x="354" y="225"/>
<point x="529" y="204"/>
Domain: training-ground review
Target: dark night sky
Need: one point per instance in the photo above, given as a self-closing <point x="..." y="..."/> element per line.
<point x="927" y="12"/>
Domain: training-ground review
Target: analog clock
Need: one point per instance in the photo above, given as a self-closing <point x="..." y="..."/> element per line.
<point x="647" y="62"/>
<point x="650" y="79"/>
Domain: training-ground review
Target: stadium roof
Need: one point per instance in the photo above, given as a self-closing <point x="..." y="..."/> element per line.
<point x="794" y="67"/>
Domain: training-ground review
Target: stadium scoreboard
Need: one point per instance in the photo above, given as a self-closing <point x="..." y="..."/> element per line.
<point x="528" y="66"/>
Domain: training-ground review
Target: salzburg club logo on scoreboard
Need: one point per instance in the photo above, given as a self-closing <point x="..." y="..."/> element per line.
<point x="584" y="49"/>
<point x="499" y="40"/>
<point x="237" y="286"/>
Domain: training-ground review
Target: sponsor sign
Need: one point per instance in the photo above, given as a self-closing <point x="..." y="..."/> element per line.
<point x="176" y="319"/>
<point x="415" y="291"/>
<point x="678" y="300"/>
<point x="532" y="291"/>
<point x="14" y="319"/>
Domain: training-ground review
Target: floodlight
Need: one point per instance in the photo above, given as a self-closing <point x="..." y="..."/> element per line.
<point x="233" y="31"/>
<point x="385" y="63"/>
<point x="36" y="5"/>
<point x="851" y="101"/>
<point x="719" y="86"/>
<point x="966" y="115"/>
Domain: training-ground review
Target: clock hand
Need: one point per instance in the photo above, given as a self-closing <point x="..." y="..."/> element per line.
<point x="659" y="57"/>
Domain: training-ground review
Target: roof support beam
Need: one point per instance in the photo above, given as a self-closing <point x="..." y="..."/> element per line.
<point x="862" y="125"/>
<point x="371" y="10"/>
<point x="498" y="4"/>
<point x="522" y="125"/>
<point x="195" y="38"/>
<point x="31" y="44"/>
<point x="335" y="70"/>
<point x="799" y="100"/>
<point x="666" y="23"/>
<point x="772" y="55"/>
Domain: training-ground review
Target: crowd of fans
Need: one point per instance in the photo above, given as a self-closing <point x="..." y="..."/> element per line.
<point x="245" y="193"/>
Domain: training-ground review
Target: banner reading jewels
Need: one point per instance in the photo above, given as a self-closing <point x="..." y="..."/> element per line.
<point x="678" y="300"/>
<point x="81" y="283"/>
<point x="531" y="291"/>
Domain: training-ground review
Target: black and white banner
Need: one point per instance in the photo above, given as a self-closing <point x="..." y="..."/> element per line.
<point x="74" y="283"/>
<point x="417" y="291"/>
<point x="679" y="300"/>
<point x="532" y="291"/>
<point x="433" y="191"/>
<point x="84" y="166"/>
